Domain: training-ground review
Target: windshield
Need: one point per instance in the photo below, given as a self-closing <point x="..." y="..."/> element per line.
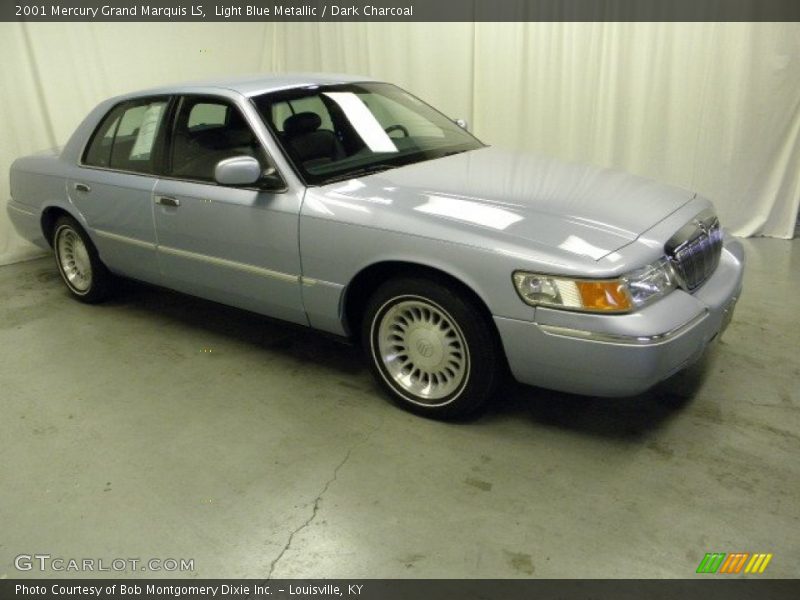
<point x="335" y="132"/>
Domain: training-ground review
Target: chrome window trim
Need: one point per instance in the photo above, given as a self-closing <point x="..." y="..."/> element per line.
<point x="259" y="190"/>
<point x="616" y="338"/>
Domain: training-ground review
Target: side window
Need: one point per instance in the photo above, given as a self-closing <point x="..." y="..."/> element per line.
<point x="98" y="154"/>
<point x="126" y="137"/>
<point x="204" y="115"/>
<point x="208" y="130"/>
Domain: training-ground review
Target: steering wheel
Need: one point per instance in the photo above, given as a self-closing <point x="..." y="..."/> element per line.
<point x="398" y="127"/>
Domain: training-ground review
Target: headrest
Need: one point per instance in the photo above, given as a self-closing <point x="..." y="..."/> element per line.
<point x="304" y="122"/>
<point x="220" y="138"/>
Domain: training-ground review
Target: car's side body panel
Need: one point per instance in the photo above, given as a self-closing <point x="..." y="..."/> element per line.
<point x="229" y="245"/>
<point x="37" y="181"/>
<point x="237" y="246"/>
<point x="359" y="247"/>
<point x="117" y="209"/>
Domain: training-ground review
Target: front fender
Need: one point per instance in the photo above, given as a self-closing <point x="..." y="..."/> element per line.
<point x="334" y="253"/>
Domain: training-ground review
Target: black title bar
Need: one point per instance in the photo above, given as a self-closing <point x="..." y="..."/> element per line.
<point x="713" y="587"/>
<point x="399" y="10"/>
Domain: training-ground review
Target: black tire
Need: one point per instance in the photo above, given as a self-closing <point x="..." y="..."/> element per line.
<point x="74" y="251"/>
<point x="426" y="337"/>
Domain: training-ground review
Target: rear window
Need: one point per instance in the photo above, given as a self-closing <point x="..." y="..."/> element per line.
<point x="126" y="137"/>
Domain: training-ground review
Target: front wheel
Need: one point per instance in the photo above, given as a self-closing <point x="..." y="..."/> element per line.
<point x="432" y="347"/>
<point x="86" y="277"/>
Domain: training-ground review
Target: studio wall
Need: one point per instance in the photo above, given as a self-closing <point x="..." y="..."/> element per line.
<point x="714" y="107"/>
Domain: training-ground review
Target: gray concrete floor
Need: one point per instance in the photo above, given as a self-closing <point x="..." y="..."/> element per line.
<point x="161" y="426"/>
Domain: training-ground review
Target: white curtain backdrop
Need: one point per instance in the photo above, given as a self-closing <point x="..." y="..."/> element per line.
<point x="714" y="107"/>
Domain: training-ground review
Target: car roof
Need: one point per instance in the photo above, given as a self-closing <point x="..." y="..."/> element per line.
<point x="254" y="85"/>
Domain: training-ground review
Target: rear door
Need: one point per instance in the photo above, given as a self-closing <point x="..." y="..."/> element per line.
<point x="236" y="245"/>
<point x="112" y="186"/>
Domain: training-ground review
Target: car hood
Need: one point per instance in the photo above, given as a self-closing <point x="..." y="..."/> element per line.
<point x="538" y="201"/>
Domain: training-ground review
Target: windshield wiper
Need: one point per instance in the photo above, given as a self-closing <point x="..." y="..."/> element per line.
<point x="368" y="170"/>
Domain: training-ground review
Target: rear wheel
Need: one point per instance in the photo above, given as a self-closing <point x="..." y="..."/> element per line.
<point x="431" y="347"/>
<point x="85" y="276"/>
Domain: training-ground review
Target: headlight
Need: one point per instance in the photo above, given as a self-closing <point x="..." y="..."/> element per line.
<point x="651" y="281"/>
<point x="597" y="295"/>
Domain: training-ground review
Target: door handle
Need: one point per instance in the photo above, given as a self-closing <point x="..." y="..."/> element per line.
<point x="167" y="201"/>
<point x="82" y="187"/>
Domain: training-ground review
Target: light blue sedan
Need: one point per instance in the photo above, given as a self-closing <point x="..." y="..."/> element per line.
<point x="352" y="207"/>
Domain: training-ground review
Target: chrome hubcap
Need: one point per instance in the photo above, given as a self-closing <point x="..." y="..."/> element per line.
<point x="423" y="350"/>
<point x="73" y="258"/>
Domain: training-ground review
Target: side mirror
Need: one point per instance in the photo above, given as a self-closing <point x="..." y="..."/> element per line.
<point x="462" y="123"/>
<point x="239" y="170"/>
<point x="271" y="179"/>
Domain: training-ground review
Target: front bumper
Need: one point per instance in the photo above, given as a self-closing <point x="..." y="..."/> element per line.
<point x="623" y="355"/>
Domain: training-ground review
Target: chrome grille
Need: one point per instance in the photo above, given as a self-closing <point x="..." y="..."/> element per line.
<point x="695" y="250"/>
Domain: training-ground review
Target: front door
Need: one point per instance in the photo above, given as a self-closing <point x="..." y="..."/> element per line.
<point x="235" y="245"/>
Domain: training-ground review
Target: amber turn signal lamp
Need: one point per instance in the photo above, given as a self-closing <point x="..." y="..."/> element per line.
<point x="604" y="296"/>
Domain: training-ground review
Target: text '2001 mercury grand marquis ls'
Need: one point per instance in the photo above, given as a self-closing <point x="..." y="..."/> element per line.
<point x="352" y="207"/>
